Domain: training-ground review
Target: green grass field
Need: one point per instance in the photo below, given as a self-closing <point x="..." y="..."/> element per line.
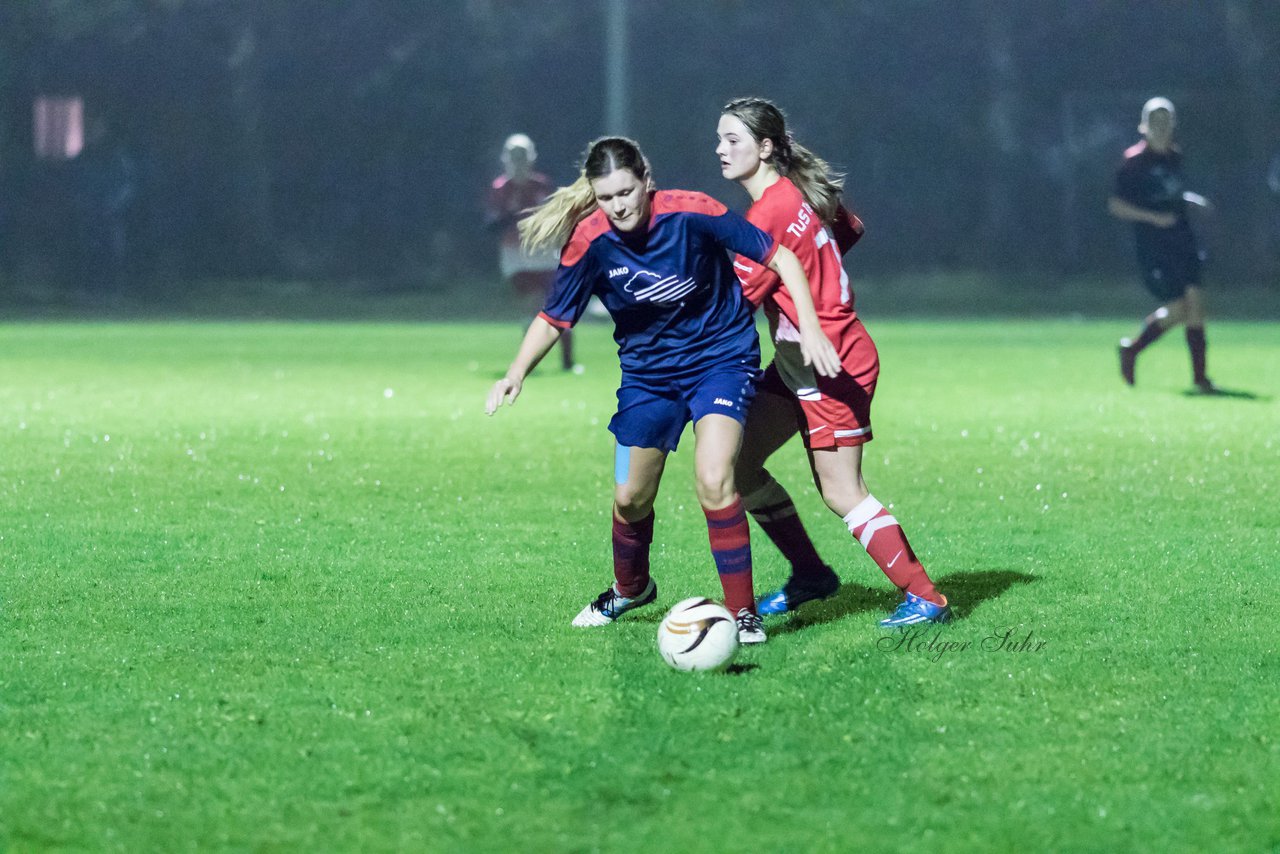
<point x="285" y="587"/>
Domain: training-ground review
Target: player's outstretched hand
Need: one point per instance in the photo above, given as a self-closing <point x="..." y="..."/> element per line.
<point x="818" y="351"/>
<point x="505" y="389"/>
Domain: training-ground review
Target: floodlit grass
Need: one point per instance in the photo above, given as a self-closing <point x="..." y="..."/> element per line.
<point x="273" y="586"/>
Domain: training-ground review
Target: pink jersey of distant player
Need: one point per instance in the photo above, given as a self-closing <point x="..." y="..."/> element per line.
<point x="783" y="212"/>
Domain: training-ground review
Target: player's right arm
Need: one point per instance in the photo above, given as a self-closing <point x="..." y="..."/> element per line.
<point x="570" y="292"/>
<point x="538" y="341"/>
<point x="496" y="215"/>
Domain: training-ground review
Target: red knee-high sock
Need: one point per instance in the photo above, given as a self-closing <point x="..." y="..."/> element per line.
<point x="731" y="547"/>
<point x="631" y="542"/>
<point x="882" y="537"/>
<point x="775" y="513"/>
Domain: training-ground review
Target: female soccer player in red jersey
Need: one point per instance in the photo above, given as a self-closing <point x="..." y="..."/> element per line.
<point x="517" y="189"/>
<point x="796" y="199"/>
<point x="688" y="347"/>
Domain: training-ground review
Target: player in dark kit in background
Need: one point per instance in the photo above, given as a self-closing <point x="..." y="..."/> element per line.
<point x="1150" y="193"/>
<point x="796" y="198"/>
<point x="518" y="189"/>
<point x="688" y="347"/>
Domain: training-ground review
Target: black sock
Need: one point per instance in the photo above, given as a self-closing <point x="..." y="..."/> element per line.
<point x="1196" y="344"/>
<point x="1147" y="337"/>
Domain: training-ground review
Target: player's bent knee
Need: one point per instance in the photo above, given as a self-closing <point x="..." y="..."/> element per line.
<point x="715" y="491"/>
<point x="633" y="511"/>
<point x="633" y="503"/>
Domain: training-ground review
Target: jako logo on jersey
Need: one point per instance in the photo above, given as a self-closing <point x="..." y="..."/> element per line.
<point x="619" y="271"/>
<point x="647" y="286"/>
<point x="720" y="401"/>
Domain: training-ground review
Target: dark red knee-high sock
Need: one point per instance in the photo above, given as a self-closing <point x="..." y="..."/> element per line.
<point x="882" y="537"/>
<point x="775" y="513"/>
<point x="631" y="542"/>
<point x="731" y="547"/>
<point x="1197" y="345"/>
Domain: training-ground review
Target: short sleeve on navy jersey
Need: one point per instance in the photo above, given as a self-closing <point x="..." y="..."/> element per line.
<point x="729" y="229"/>
<point x="575" y="278"/>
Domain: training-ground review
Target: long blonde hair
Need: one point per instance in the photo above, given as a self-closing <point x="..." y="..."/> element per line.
<point x="814" y="178"/>
<point x="550" y="223"/>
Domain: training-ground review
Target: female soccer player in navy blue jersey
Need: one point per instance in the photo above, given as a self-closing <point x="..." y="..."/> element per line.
<point x="1150" y="194"/>
<point x="659" y="262"/>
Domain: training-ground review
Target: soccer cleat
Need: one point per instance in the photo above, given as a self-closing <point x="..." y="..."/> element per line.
<point x="750" y="629"/>
<point x="1128" y="360"/>
<point x="795" y="593"/>
<point x="610" y="605"/>
<point x="916" y="610"/>
<point x="1205" y="386"/>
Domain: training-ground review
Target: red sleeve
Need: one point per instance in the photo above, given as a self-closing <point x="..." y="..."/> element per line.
<point x="847" y="229"/>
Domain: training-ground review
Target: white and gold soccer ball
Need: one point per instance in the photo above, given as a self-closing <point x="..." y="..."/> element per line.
<point x="698" y="634"/>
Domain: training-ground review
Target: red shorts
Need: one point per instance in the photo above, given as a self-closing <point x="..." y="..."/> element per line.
<point x="832" y="412"/>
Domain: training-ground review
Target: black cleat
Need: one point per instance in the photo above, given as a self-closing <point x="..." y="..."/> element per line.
<point x="1128" y="360"/>
<point x="1204" y="385"/>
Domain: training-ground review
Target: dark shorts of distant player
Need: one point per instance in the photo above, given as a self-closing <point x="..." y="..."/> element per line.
<point x="653" y="414"/>
<point x="1168" y="275"/>
<point x="834" y="414"/>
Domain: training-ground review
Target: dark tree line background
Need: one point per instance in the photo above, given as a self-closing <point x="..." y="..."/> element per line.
<point x="355" y="140"/>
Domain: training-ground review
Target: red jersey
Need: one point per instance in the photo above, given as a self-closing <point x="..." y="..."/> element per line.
<point x="507" y="201"/>
<point x="784" y="214"/>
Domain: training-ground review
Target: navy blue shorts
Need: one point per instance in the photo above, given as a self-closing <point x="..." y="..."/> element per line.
<point x="653" y="414"/>
<point x="1167" y="275"/>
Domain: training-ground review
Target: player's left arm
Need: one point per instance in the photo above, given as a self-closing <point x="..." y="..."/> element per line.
<point x="847" y="229"/>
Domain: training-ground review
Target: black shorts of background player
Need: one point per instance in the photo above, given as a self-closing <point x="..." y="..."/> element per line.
<point x="1149" y="193"/>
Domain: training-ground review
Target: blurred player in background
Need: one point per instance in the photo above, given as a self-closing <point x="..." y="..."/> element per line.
<point x="796" y="199"/>
<point x="518" y="189"/>
<point x="688" y="347"/>
<point x="1149" y="193"/>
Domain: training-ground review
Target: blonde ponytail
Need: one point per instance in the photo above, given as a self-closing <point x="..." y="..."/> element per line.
<point x="549" y="225"/>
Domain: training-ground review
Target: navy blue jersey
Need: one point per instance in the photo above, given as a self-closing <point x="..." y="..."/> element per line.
<point x="676" y="304"/>
<point x="1153" y="180"/>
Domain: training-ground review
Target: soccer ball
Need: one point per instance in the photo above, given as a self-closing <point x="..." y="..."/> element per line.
<point x="698" y="634"/>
